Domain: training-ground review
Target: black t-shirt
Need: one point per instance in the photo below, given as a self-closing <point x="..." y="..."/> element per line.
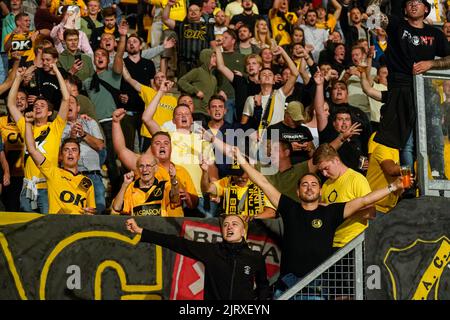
<point x="308" y="235"/>
<point x="300" y="134"/>
<point x="349" y="152"/>
<point x="247" y="20"/>
<point x="47" y="85"/>
<point x="192" y="39"/>
<point x="408" y="45"/>
<point x="243" y="88"/>
<point x="143" y="72"/>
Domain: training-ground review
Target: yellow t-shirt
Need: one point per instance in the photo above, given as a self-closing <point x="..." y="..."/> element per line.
<point x="67" y="193"/>
<point x="278" y="24"/>
<point x="186" y="149"/>
<point x="23" y="44"/>
<point x="48" y="140"/>
<point x="164" y="111"/>
<point x="371" y="144"/>
<point x="184" y="182"/>
<point x="14" y="146"/>
<point x="377" y="179"/>
<point x="254" y="198"/>
<point x="329" y="24"/>
<point x="177" y="12"/>
<point x="147" y="202"/>
<point x="349" y="186"/>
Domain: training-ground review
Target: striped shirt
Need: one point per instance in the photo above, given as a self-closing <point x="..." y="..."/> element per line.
<point x="193" y="38"/>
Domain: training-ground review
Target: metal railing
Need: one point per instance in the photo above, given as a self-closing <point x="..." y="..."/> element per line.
<point x="340" y="277"/>
<point x="427" y="103"/>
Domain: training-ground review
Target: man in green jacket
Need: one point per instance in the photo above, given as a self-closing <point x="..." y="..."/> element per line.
<point x="200" y="82"/>
<point x="72" y="60"/>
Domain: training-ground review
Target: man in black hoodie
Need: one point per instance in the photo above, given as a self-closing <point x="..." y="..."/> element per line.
<point x="231" y="268"/>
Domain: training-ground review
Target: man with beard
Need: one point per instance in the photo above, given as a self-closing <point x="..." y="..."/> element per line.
<point x="245" y="47"/>
<point x="356" y="31"/>
<point x="219" y="24"/>
<point x="143" y="70"/>
<point x="161" y="148"/>
<point x="109" y="26"/>
<point x="314" y="36"/>
<point x="343" y="117"/>
<point x="247" y="18"/>
<point x="309" y="227"/>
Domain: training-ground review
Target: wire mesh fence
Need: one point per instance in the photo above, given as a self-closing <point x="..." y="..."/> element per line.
<point x="339" y="278"/>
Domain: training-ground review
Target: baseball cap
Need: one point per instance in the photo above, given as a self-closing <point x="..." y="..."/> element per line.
<point x="295" y="110"/>
<point x="425" y="2"/>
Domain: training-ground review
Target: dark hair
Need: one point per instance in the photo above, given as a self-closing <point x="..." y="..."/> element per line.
<point x="20" y="16"/>
<point x="232" y="33"/>
<point x="246" y="27"/>
<point x="311" y="10"/>
<point x="309" y="174"/>
<point x="71" y="32"/>
<point x="70" y="140"/>
<point x="49" y="104"/>
<point x="135" y="35"/>
<point x="182" y="96"/>
<point x="263" y="69"/>
<point x="73" y="79"/>
<point x="51" y="51"/>
<point x="216" y="97"/>
<point x="109" y="12"/>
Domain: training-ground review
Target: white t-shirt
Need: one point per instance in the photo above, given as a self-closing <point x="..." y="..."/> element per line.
<point x="279" y="106"/>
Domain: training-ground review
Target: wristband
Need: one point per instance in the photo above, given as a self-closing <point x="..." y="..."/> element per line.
<point x="390" y="188"/>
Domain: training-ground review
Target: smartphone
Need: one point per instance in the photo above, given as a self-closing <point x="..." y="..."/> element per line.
<point x="78" y="56"/>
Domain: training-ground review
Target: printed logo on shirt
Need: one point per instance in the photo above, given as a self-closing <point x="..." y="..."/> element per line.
<point x="332" y="196"/>
<point x="21" y="45"/>
<point x="247" y="270"/>
<point x="416" y="40"/>
<point x="195" y="34"/>
<point x="317" y="223"/>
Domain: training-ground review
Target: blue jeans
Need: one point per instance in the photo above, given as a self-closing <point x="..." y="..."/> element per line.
<point x="211" y="212"/>
<point x="42" y="202"/>
<point x="99" y="190"/>
<point x="407" y="153"/>
<point x="229" y="116"/>
<point x="3" y="67"/>
<point x="289" y="280"/>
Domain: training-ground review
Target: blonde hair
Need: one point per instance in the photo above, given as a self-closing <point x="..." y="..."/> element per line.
<point x="268" y="41"/>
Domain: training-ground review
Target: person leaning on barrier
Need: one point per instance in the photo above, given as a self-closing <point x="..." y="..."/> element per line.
<point x="232" y="270"/>
<point x="308" y="223"/>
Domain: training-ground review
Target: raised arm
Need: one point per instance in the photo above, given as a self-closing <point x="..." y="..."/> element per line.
<point x="118" y="59"/>
<point x="338" y="9"/>
<point x="134" y="83"/>
<point x="368" y="89"/>
<point x="166" y="13"/>
<point x="64" y="107"/>
<point x="289" y="85"/>
<point x="147" y="116"/>
<point x="357" y="204"/>
<point x="10" y="79"/>
<point x="269" y="190"/>
<point x="125" y="155"/>
<point x="319" y="102"/>
<point x="117" y="203"/>
<point x="206" y="185"/>
<point x="12" y="108"/>
<point x="221" y="65"/>
<point x="35" y="154"/>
